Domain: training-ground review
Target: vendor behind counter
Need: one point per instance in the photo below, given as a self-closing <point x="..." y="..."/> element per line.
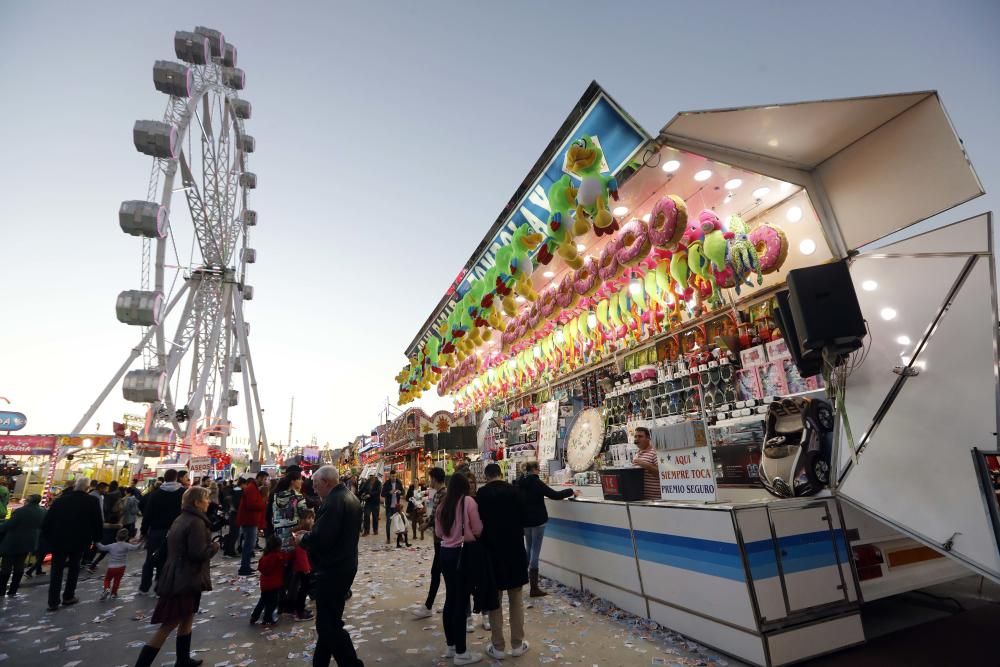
<point x="646" y="459"/>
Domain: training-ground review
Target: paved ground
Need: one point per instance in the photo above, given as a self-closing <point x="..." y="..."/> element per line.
<point x="563" y="628"/>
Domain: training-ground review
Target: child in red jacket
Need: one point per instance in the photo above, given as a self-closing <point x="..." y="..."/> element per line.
<point x="272" y="577"/>
<point x="301" y="568"/>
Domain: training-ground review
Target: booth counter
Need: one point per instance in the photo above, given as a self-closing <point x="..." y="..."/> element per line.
<point x="769" y="582"/>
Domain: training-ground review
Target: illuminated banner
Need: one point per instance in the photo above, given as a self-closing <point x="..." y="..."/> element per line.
<point x="597" y="116"/>
<point x="12" y="421"/>
<point x="27" y="445"/>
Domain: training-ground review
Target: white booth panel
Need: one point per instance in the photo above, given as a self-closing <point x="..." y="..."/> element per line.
<point x="755" y="527"/>
<point x="917" y="471"/>
<point x="633" y="603"/>
<point x="592" y="539"/>
<point x="914" y="288"/>
<point x="689" y="557"/>
<point x="810" y="554"/>
<point x="746" y="645"/>
<point x="817" y="639"/>
<point x="907" y="170"/>
<point x="968" y="236"/>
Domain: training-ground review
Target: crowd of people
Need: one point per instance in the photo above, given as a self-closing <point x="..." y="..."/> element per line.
<point x="486" y="543"/>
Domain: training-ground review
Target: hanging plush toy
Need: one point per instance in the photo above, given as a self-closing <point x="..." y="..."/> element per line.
<point x="521" y="268"/>
<point x="697" y="261"/>
<point x="667" y="222"/>
<point x="716" y="240"/>
<point x="562" y="199"/>
<point x="742" y="254"/>
<point x="584" y="159"/>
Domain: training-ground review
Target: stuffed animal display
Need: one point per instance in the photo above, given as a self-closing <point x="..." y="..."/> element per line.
<point x="648" y="278"/>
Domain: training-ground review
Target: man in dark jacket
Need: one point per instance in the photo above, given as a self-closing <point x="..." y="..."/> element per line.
<point x="392" y="492"/>
<point x="332" y="545"/>
<point x="70" y="527"/>
<point x="500" y="508"/>
<point x="230" y="506"/>
<point x="436" y="477"/>
<point x="371" y="495"/>
<point x="162" y="506"/>
<point x="18" y="538"/>
<point x="533" y="494"/>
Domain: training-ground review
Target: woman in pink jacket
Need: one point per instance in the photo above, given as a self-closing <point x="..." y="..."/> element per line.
<point x="457" y="523"/>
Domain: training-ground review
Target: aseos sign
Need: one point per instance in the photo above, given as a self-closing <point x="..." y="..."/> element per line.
<point x="12" y="421"/>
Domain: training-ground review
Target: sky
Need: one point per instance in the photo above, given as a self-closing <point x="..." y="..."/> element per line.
<point x="389" y="137"/>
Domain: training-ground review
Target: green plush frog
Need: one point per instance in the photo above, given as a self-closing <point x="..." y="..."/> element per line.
<point x="584" y="159"/>
<point x="562" y="199"/>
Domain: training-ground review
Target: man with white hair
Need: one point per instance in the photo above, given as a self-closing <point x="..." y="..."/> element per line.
<point x="69" y="528"/>
<point x="333" y="553"/>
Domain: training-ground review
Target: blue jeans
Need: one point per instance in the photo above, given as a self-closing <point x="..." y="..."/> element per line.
<point x="533" y="544"/>
<point x="249" y="534"/>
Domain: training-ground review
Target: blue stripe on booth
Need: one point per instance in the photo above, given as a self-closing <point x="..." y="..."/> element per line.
<point x="803" y="552"/>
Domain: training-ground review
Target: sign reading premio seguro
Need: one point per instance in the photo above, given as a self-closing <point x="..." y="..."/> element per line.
<point x="687" y="474"/>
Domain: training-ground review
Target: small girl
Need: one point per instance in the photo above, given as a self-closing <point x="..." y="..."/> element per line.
<point x="272" y="577"/>
<point x="301" y="569"/>
<point x="118" y="552"/>
<point x="400" y="526"/>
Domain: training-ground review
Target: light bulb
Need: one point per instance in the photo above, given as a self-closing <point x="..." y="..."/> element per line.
<point x="513" y="364"/>
<point x="869" y="285"/>
<point x="760" y="193"/>
<point x="537" y="352"/>
<point x="904" y="340"/>
<point x="549" y="274"/>
<point x="580" y="247"/>
<point x="703" y="175"/>
<point x="519" y="299"/>
<point x="560" y="337"/>
<point x="794" y="214"/>
<point x="592" y="320"/>
<point x="888" y="314"/>
<point x="734" y="183"/>
<point x="646" y="218"/>
<point x="635" y="286"/>
<point x="620" y="210"/>
<point x="670" y="166"/>
<point x="807" y="247"/>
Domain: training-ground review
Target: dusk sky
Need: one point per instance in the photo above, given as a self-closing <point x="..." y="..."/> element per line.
<point x="389" y="138"/>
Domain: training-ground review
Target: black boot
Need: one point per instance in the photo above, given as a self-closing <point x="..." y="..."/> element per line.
<point x="184" y="658"/>
<point x="146" y="656"/>
<point x="535" y="591"/>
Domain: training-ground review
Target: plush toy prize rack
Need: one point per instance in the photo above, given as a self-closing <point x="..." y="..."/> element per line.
<point x="649" y="277"/>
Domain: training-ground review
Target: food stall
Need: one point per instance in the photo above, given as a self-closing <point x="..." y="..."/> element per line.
<point x="638" y="281"/>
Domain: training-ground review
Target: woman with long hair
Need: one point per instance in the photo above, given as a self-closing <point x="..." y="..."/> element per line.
<point x="184" y="578"/>
<point x="457" y="523"/>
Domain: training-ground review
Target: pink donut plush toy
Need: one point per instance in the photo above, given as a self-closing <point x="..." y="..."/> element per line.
<point x="607" y="264"/>
<point x="667" y="222"/>
<point x="635" y="243"/>
<point x="566" y="295"/>
<point x="772" y="246"/>
<point x="585" y="278"/>
<point x="547" y="302"/>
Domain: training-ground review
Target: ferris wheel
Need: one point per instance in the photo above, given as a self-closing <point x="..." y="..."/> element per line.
<point x="190" y="306"/>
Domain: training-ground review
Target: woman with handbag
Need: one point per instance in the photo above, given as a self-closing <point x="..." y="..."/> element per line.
<point x="185" y="576"/>
<point x="457" y="523"/>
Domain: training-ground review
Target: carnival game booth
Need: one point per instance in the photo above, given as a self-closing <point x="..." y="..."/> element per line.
<point x="649" y="290"/>
<point x="404" y="451"/>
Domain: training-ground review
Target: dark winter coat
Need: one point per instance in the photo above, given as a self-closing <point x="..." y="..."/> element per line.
<point x="533" y="494"/>
<point x="20" y="533"/>
<point x="500" y="508"/>
<point x="73" y="523"/>
<point x="373" y="491"/>
<point x="332" y="543"/>
<point x="162" y="506"/>
<point x="189" y="550"/>
<point x="391" y="487"/>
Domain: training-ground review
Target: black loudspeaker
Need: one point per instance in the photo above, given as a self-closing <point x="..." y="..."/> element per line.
<point x="808" y="364"/>
<point x="825" y="309"/>
<point x="444" y="441"/>
<point x="430" y="442"/>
